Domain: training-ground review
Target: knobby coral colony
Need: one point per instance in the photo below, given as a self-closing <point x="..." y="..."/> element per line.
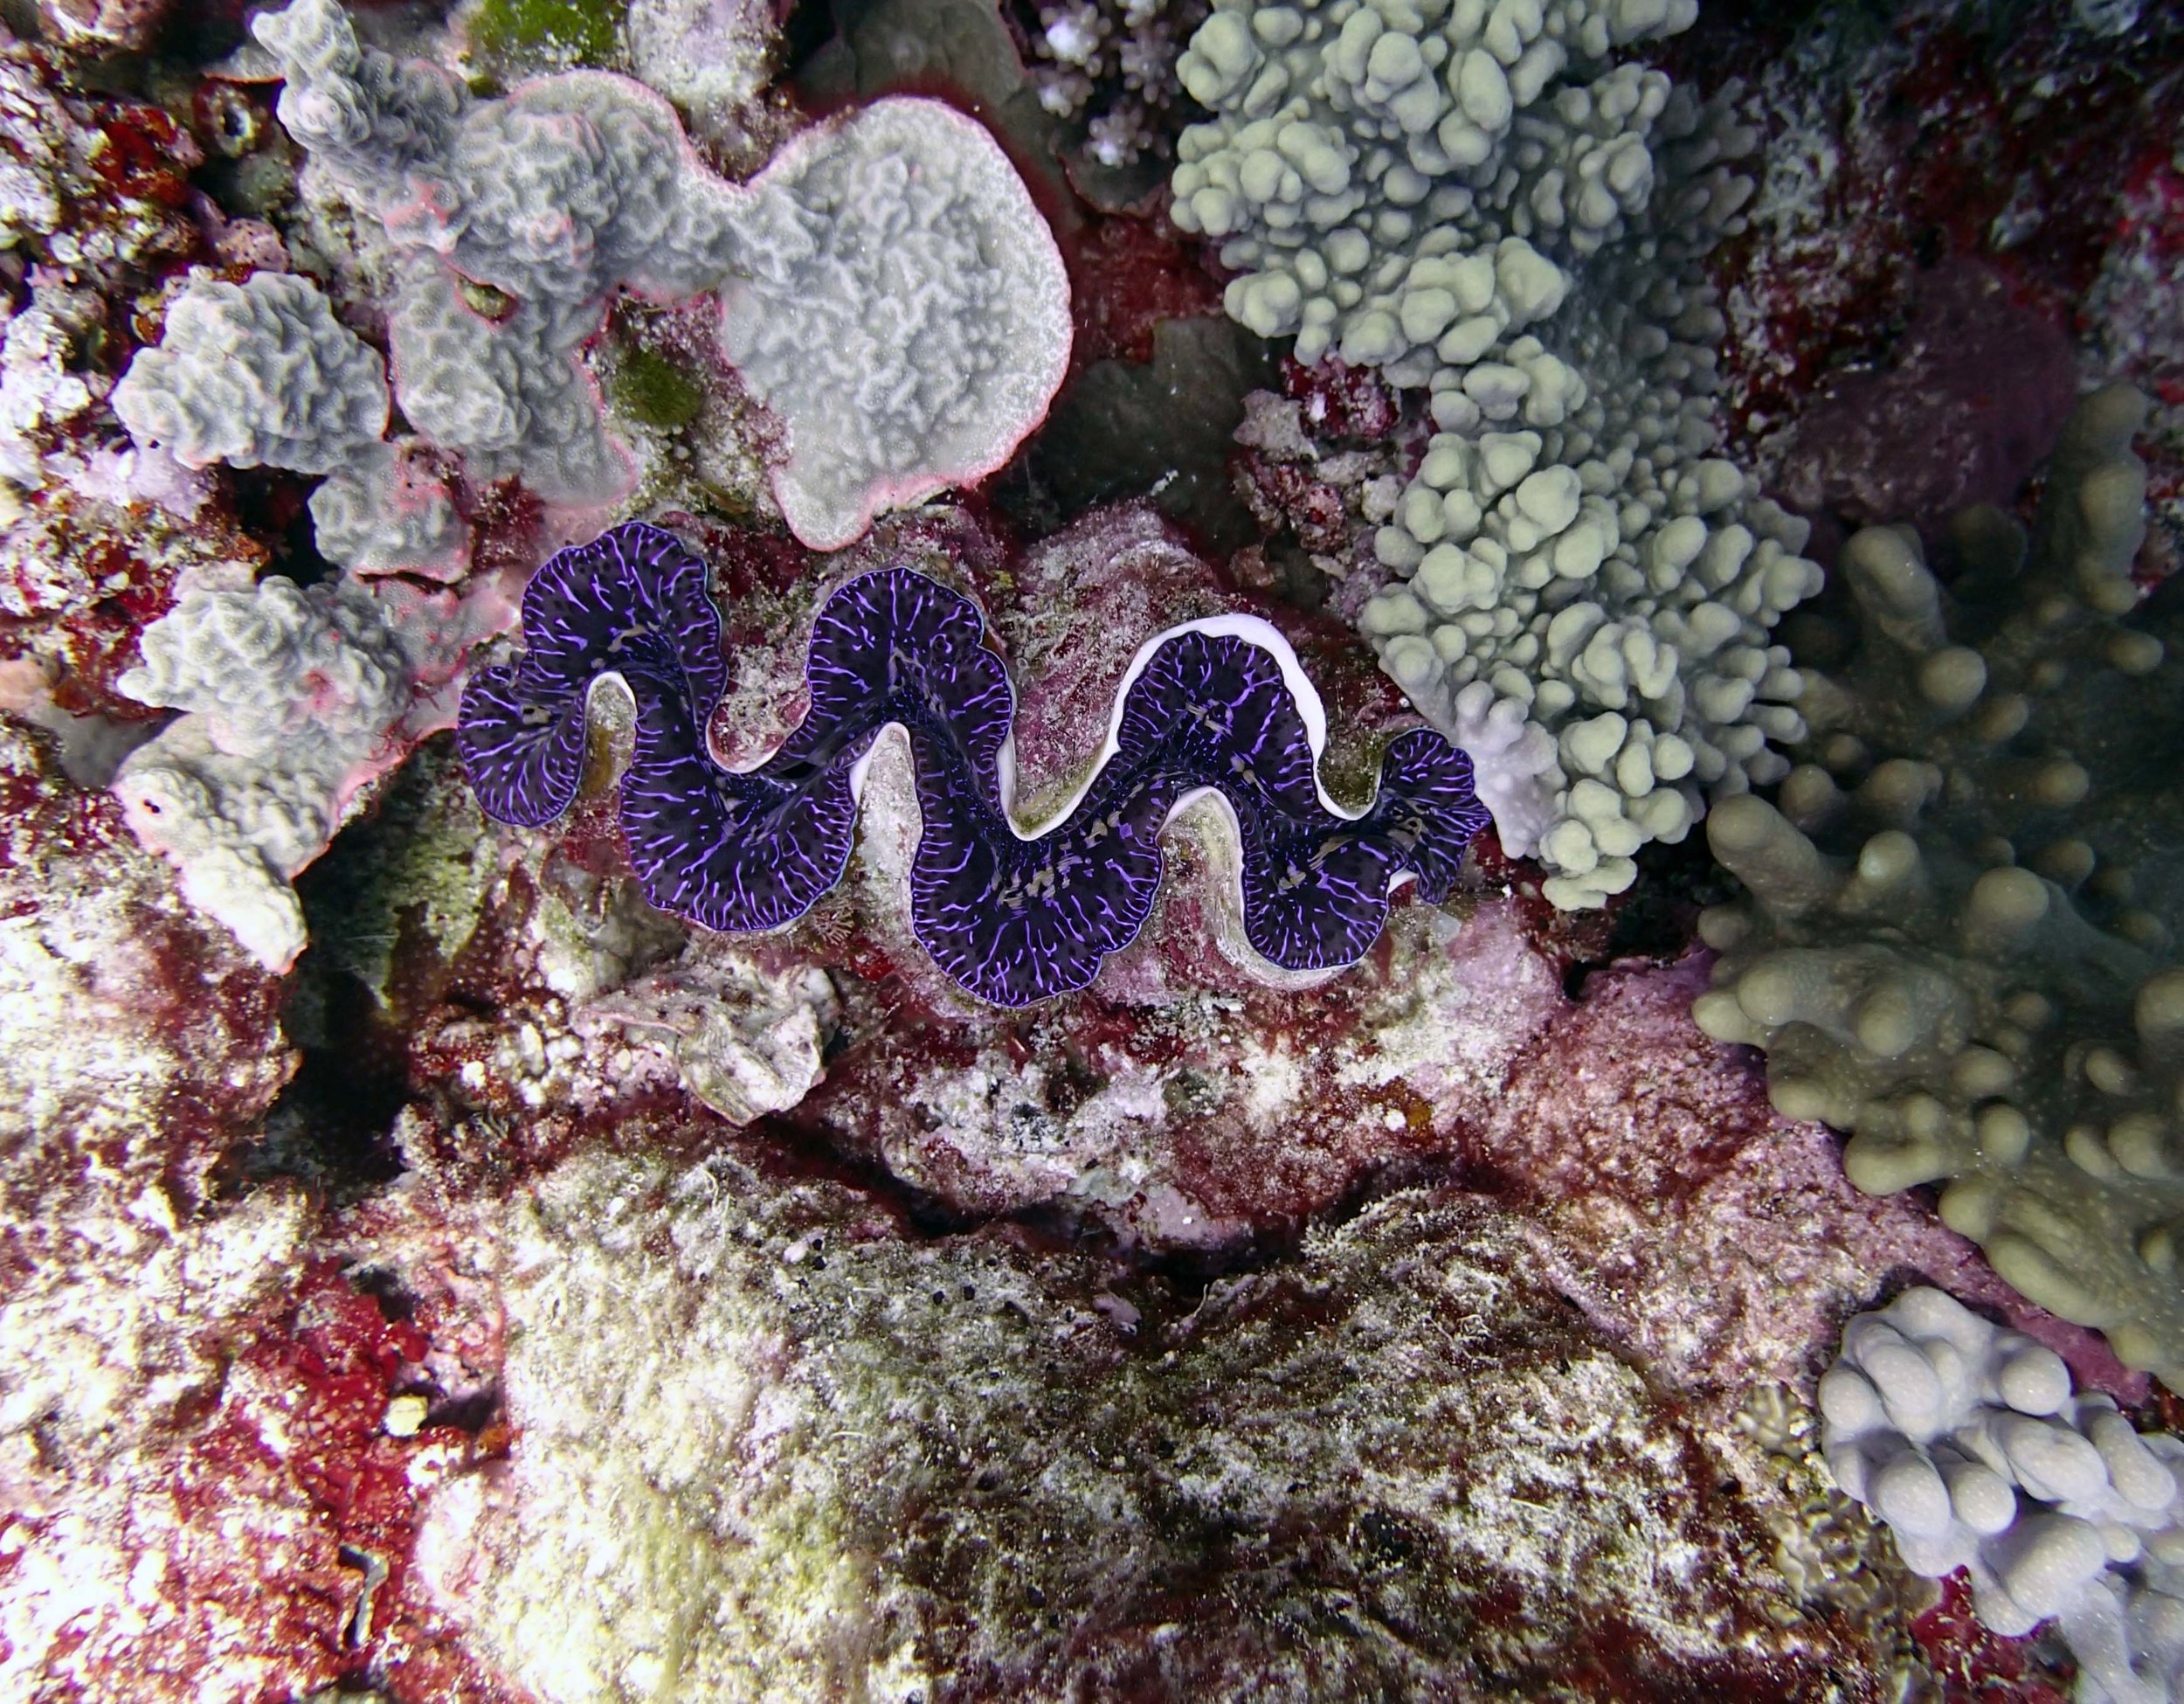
<point x="1218" y="705"/>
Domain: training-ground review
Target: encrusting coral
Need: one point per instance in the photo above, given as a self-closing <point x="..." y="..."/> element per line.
<point x="515" y="219"/>
<point x="256" y="373"/>
<point x="388" y="511"/>
<point x="1960" y="942"/>
<point x="297" y="698"/>
<point x="898" y="302"/>
<point x="1479" y="200"/>
<point x="1014" y="917"/>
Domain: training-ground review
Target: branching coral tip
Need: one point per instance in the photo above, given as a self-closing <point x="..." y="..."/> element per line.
<point x="1218" y="705"/>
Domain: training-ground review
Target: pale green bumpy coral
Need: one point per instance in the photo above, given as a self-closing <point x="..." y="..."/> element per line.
<point x="1961" y="945"/>
<point x="1475" y="198"/>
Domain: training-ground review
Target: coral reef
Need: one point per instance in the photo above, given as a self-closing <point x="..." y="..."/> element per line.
<point x="461" y="187"/>
<point x="1014" y="916"/>
<point x="1480" y="202"/>
<point x="82" y="575"/>
<point x="899" y="303"/>
<point x="1947" y="210"/>
<point x="1968" y="1441"/>
<point x="432" y="1272"/>
<point x="492" y="301"/>
<point x="1967" y="905"/>
<point x="133" y="1043"/>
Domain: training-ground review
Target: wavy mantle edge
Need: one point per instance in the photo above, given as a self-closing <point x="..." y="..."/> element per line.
<point x="1252" y="629"/>
<point x="1227" y="847"/>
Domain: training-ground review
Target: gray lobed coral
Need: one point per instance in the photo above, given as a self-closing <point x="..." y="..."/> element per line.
<point x="1477" y="200"/>
<point x="297" y="696"/>
<point x="573" y="187"/>
<point x="897" y="298"/>
<point x="1965" y="1439"/>
<point x="256" y="373"/>
<point x="904" y="228"/>
<point x="1960" y="941"/>
<point x="387" y="511"/>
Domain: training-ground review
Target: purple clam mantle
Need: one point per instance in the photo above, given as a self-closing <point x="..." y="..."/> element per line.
<point x="1217" y="705"/>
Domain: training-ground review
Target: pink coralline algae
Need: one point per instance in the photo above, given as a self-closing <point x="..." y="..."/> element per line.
<point x="1975" y="389"/>
<point x="1685" y="1217"/>
<point x="202" y="1492"/>
<point x="2022" y="153"/>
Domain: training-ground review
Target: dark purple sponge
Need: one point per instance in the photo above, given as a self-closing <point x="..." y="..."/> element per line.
<point x="1014" y="920"/>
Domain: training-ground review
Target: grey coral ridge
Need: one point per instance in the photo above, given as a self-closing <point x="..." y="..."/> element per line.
<point x="1967" y="1440"/>
<point x="1475" y="199"/>
<point x="294" y="690"/>
<point x="1960" y="942"/>
<point x="261" y="373"/>
<point x="255" y="374"/>
<point x="551" y="198"/>
<point x="386" y="512"/>
<point x="886" y="237"/>
<point x="891" y="291"/>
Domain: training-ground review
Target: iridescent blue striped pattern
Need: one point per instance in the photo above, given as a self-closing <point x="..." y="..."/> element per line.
<point x="1012" y="919"/>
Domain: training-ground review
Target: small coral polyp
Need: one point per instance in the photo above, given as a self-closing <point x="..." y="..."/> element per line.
<point x="1217" y="705"/>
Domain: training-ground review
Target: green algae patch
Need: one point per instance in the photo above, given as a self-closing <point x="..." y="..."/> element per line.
<point x="517" y="35"/>
<point x="657" y="392"/>
<point x="413" y="876"/>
